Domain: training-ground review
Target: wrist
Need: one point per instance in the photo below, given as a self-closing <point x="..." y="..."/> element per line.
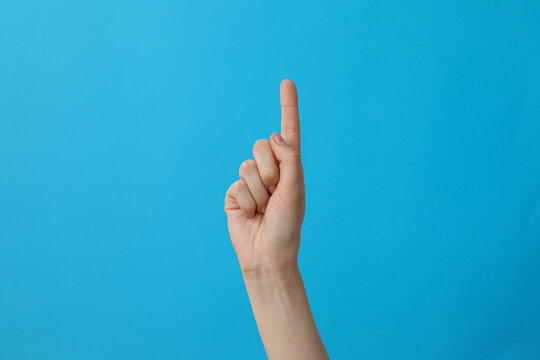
<point x="273" y="276"/>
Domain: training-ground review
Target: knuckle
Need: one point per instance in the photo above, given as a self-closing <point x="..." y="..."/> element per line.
<point x="239" y="185"/>
<point x="291" y="129"/>
<point x="248" y="166"/>
<point x="294" y="155"/>
<point x="230" y="189"/>
<point x="232" y="193"/>
<point x="260" y="144"/>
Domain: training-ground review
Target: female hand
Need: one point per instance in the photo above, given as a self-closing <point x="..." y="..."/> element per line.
<point x="265" y="207"/>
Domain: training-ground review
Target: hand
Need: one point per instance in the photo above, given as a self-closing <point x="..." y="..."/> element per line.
<point x="265" y="207"/>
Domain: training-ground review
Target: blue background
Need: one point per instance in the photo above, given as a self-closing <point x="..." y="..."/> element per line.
<point x="123" y="123"/>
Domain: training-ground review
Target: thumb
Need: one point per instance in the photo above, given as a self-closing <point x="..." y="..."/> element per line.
<point x="291" y="176"/>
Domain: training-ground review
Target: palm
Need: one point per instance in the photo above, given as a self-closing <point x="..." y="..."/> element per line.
<point x="269" y="237"/>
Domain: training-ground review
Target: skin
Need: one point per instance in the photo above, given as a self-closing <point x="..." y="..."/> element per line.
<point x="265" y="210"/>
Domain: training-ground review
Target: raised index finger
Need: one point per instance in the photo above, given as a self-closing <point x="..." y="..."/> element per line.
<point x="290" y="122"/>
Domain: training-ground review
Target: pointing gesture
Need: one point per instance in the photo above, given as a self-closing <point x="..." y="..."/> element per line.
<point x="265" y="206"/>
<point x="265" y="209"/>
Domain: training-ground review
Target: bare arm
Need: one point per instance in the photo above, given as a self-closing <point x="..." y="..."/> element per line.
<point x="283" y="316"/>
<point x="265" y="210"/>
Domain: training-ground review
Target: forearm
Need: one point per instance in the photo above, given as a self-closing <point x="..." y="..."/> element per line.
<point x="283" y="315"/>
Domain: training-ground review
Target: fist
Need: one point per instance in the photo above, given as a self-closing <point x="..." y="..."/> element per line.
<point x="265" y="206"/>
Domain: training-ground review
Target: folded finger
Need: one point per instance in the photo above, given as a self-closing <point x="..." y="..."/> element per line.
<point x="250" y="174"/>
<point x="266" y="163"/>
<point x="239" y="196"/>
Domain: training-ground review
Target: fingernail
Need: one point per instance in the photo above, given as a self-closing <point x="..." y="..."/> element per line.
<point x="278" y="139"/>
<point x="263" y="209"/>
<point x="271" y="189"/>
